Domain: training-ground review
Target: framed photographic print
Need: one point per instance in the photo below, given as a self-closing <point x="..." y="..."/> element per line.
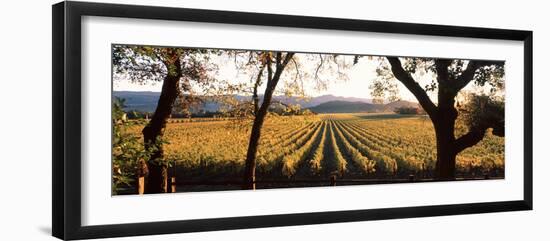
<point x="170" y="120"/>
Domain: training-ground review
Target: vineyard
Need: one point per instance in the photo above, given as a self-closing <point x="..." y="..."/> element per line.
<point x="381" y="146"/>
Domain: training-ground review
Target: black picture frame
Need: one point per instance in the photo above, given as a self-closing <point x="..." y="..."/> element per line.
<point x="66" y="127"/>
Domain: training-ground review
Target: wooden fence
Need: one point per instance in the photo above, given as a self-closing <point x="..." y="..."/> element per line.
<point x="332" y="181"/>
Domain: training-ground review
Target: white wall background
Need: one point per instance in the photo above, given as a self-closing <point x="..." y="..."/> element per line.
<point x="25" y="122"/>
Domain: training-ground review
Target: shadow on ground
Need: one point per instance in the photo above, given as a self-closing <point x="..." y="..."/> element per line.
<point x="45" y="230"/>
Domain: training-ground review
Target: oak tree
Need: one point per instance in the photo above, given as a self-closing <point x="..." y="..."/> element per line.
<point x="176" y="68"/>
<point x="447" y="78"/>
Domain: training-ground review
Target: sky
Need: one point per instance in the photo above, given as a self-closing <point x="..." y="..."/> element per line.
<point x="356" y="82"/>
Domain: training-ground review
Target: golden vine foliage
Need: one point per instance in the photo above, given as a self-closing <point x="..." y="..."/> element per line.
<point x="352" y="145"/>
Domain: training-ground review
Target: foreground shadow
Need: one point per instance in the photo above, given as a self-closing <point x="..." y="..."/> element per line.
<point x="45" y="230"/>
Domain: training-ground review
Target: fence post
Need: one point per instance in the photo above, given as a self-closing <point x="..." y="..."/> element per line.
<point x="142" y="171"/>
<point x="173" y="184"/>
<point x="141" y="185"/>
<point x="333" y="180"/>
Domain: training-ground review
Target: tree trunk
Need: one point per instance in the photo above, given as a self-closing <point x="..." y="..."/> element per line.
<point x="446" y="156"/>
<point x="444" y="124"/>
<point x="259" y="117"/>
<point x="250" y="164"/>
<point x="255" y="97"/>
<point x="157" y="180"/>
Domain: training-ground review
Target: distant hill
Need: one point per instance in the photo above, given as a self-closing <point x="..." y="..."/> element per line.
<point x="355" y="107"/>
<point x="339" y="106"/>
<point x="400" y="103"/>
<point x="146" y="101"/>
<point x="314" y="101"/>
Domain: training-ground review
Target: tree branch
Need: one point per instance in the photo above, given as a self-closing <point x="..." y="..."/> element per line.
<point x="255" y="97"/>
<point x="471" y="138"/>
<point x="442" y="68"/>
<point x="297" y="70"/>
<point x="319" y="67"/>
<point x="269" y="71"/>
<point x="412" y="85"/>
<point x="281" y="64"/>
<point x="278" y="59"/>
<point x="273" y="77"/>
<point x="468" y="74"/>
<point x="287" y="59"/>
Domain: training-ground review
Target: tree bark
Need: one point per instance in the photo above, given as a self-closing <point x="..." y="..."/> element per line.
<point x="157" y="180"/>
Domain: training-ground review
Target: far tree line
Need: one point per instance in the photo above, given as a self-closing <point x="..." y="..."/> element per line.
<point x="182" y="70"/>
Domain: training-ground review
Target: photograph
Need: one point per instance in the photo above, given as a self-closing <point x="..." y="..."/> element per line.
<point x="285" y="120"/>
<point x="190" y="119"/>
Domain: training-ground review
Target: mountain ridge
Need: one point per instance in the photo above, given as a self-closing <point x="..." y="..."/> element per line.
<point x="146" y="101"/>
<point x="358" y="107"/>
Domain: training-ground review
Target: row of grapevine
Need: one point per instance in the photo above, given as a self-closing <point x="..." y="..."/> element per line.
<point x="291" y="160"/>
<point x="397" y="137"/>
<point x="338" y="160"/>
<point x="384" y="164"/>
<point x="275" y="151"/>
<point x="416" y="151"/>
<point x="273" y="139"/>
<point x="318" y="154"/>
<point x="404" y="161"/>
<point x="417" y="133"/>
<point x="291" y="145"/>
<point x="365" y="165"/>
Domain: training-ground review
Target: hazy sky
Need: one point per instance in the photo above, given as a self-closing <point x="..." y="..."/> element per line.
<point x="359" y="78"/>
